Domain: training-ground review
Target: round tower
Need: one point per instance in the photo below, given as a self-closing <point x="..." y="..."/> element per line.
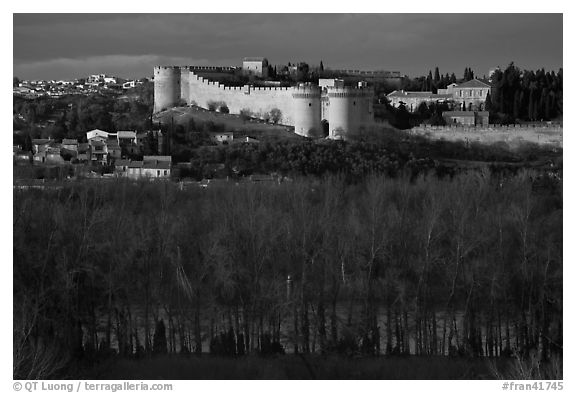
<point x="166" y="87"/>
<point x="341" y="114"/>
<point x="307" y="110"/>
<point x="350" y="108"/>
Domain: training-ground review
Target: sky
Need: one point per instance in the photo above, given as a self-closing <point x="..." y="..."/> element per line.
<point x="68" y="46"/>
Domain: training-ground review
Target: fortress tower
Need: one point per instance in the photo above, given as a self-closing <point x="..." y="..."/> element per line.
<point x="350" y="109"/>
<point x="167" y="90"/>
<point x="307" y="110"/>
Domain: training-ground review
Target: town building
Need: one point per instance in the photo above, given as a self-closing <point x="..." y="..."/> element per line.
<point x="221" y="137"/>
<point x="257" y="66"/>
<point x="70" y="144"/>
<point x="470" y="95"/>
<point x="413" y="99"/>
<point x="151" y="167"/>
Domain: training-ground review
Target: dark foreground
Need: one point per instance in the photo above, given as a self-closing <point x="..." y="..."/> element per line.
<point x="320" y="367"/>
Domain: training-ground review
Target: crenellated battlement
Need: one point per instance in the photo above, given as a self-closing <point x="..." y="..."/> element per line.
<point x="302" y="106"/>
<point x="167" y="68"/>
<point x="341" y="92"/>
<point x="308" y="91"/>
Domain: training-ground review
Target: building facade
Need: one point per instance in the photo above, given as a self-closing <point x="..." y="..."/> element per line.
<point x="413" y="99"/>
<point x="470" y="95"/>
<point x="257" y="66"/>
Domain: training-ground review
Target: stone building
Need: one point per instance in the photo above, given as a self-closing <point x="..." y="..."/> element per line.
<point x="257" y="66"/>
<point x="413" y="99"/>
<point x="469" y="95"/>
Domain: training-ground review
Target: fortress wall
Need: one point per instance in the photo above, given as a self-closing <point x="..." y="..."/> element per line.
<point x="259" y="100"/>
<point x="184" y="82"/>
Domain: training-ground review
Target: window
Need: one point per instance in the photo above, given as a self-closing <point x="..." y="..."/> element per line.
<point x="480" y="93"/>
<point x="460" y="93"/>
<point x="165" y="173"/>
<point x="309" y="104"/>
<point x="157" y="173"/>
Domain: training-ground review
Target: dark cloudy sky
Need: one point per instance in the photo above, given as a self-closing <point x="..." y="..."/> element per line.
<point x="54" y="46"/>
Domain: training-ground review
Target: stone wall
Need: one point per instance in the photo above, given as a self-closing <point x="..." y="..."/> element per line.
<point x="541" y="134"/>
<point x="259" y="100"/>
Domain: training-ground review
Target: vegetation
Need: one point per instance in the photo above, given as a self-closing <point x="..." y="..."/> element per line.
<point x="374" y="150"/>
<point x="525" y="95"/>
<point x="468" y="266"/>
<point x="73" y="116"/>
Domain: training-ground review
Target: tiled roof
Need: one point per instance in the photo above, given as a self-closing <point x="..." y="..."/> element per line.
<point x="474" y="83"/>
<point x="126" y="134"/>
<point x="402" y="93"/>
<point x="122" y="162"/>
<point x="41" y="141"/>
<point x="254" y="58"/>
<point x="156" y="165"/>
<point x="157" y="158"/>
<point x="135" y="164"/>
<point x="417" y="94"/>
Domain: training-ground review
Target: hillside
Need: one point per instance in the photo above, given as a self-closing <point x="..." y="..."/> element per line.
<point x="255" y="128"/>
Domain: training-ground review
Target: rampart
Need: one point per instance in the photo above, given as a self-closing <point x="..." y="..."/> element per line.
<point x="258" y="100"/>
<point x="300" y="106"/>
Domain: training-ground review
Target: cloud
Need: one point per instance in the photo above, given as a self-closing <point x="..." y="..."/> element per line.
<point x="128" y="66"/>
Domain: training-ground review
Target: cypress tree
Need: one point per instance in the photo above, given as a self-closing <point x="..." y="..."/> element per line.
<point x="488" y="103"/>
<point x="436" y="75"/>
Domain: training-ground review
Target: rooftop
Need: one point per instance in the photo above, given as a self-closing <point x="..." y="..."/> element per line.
<point x="254" y="59"/>
<point x="122" y="163"/>
<point x="474" y="83"/>
<point x="156" y="165"/>
<point x="41" y="141"/>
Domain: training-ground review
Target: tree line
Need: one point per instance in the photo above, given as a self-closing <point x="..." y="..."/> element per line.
<point x="526" y="95"/>
<point x="468" y="266"/>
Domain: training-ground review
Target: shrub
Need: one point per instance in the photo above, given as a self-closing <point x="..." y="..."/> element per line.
<point x="275" y="115"/>
<point x="212" y="106"/>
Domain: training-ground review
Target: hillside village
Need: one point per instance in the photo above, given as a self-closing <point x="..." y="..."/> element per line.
<point x="97" y="83"/>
